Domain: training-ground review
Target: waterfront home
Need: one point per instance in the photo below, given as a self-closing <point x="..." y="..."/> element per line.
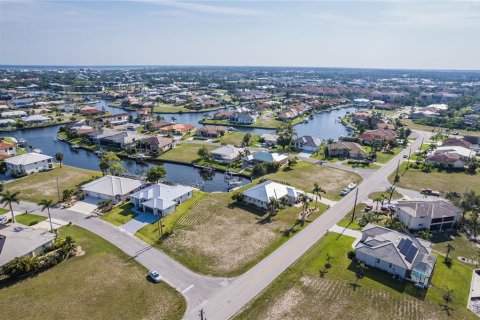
<point x="261" y="194"/>
<point x="269" y="139"/>
<point x="361" y="102"/>
<point x="446" y="160"/>
<point x="160" y="143"/>
<point x="227" y="154"/>
<point x="114" y="120"/>
<point x="7" y="122"/>
<point x="13" y="114"/>
<point x="292" y="112"/>
<point x="123" y="139"/>
<point x="36" y="118"/>
<point x="464" y="153"/>
<point x="23" y="103"/>
<point x="7" y="149"/>
<point x="405" y="257"/>
<point x="211" y="131"/>
<point x="379" y="136"/>
<point x="308" y="143"/>
<point x="430" y="214"/>
<point x="384" y="126"/>
<point x="264" y="156"/>
<point x="346" y="149"/>
<point x="18" y="240"/>
<point x="160" y="199"/>
<point x="242" y="118"/>
<point x="157" y="124"/>
<point x="111" y="188"/>
<point x="29" y="163"/>
<point x="144" y="116"/>
<point x="178" y="129"/>
<point x="89" y="111"/>
<point x="223" y="115"/>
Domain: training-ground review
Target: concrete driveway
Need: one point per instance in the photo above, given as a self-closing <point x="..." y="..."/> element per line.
<point x="86" y="206"/>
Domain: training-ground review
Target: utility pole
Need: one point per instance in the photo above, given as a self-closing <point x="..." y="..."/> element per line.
<point x="354" y="205"/>
<point x="398" y="169"/>
<point x="58" y="191"/>
<point x="408" y="159"/>
<point x="202" y="315"/>
<point x="160" y="227"/>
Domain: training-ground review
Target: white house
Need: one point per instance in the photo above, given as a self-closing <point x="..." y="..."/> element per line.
<point x="111" y="187"/>
<point x="308" y="143"/>
<point x="17" y="240"/>
<point x="464" y="153"/>
<point x="242" y="118"/>
<point x="29" y="163"/>
<point x="433" y="215"/>
<point x="398" y="254"/>
<point x="261" y="194"/>
<point x="13" y="114"/>
<point x="264" y="156"/>
<point x="227" y="154"/>
<point x="161" y="199"/>
<point x="36" y="118"/>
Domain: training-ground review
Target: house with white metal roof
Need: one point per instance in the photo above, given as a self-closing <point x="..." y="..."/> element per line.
<point x="264" y="156"/>
<point x="227" y="154"/>
<point x="36" y="118"/>
<point x="261" y="194"/>
<point x="160" y="199"/>
<point x="111" y="187"/>
<point x="29" y="163"/>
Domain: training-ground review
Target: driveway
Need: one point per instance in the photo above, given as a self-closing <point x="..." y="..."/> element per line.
<point x="56" y="223"/>
<point x="137" y="223"/>
<point x="86" y="206"/>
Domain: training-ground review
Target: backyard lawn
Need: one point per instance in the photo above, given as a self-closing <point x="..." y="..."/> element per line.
<point x="43" y="185"/>
<point x="185" y="152"/>
<point x="304" y="175"/>
<point x="305" y="291"/>
<point x="119" y="215"/>
<point x="29" y="219"/>
<point x="212" y="235"/>
<point x="456" y="181"/>
<point x="236" y="138"/>
<point x="102" y="284"/>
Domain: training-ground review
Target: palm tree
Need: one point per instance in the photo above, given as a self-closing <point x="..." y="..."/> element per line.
<point x="8" y="197"/>
<point x="449" y="247"/>
<point x="377" y="200"/>
<point x="317" y="190"/>
<point x="273" y="206"/>
<point x="391" y="190"/>
<point x="47" y="204"/>
<point x="59" y="158"/>
<point x="304" y="199"/>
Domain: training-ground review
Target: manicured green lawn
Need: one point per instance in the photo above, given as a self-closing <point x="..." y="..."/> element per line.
<point x="304" y="175"/>
<point x="120" y="215"/>
<point x="3" y="211"/>
<point x="362" y="166"/>
<point x="207" y="229"/>
<point x="29" y="219"/>
<point x="385" y="156"/>
<point x="456" y="181"/>
<point x="347" y="222"/>
<point x="386" y="195"/>
<point x="463" y="247"/>
<point x="236" y="138"/>
<point x="43" y="185"/>
<point x="104" y="283"/>
<point x="185" y="152"/>
<point x="307" y="289"/>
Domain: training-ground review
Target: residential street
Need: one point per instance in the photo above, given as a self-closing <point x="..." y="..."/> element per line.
<point x="221" y="298"/>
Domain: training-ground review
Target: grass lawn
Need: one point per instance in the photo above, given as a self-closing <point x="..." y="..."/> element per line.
<point x="456" y="181"/>
<point x="422" y="127"/>
<point x="463" y="246"/>
<point x="43" y="185"/>
<point x="185" y="152"/>
<point x="217" y="237"/>
<point x="236" y="138"/>
<point x="29" y="219"/>
<point x="386" y="195"/>
<point x="3" y="211"/>
<point x="362" y="166"/>
<point x="347" y="222"/>
<point x="102" y="284"/>
<point x="303" y="292"/>
<point x="119" y="215"/>
<point x="385" y="156"/>
<point x="304" y="175"/>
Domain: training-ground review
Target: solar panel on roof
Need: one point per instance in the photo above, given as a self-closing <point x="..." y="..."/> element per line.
<point x="406" y="246"/>
<point x="400" y="244"/>
<point x="411" y="254"/>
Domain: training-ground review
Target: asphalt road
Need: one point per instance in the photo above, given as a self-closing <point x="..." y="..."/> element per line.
<point x="221" y="298"/>
<point x="236" y="295"/>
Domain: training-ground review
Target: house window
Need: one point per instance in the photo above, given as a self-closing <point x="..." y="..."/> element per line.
<point x="389" y="265"/>
<point x="420" y="224"/>
<point x="378" y="260"/>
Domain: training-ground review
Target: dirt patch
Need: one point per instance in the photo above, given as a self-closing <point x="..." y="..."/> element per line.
<point x="79" y="252"/>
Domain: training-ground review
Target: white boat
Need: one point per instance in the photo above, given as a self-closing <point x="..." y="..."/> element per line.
<point x="352" y="185"/>
<point x="36" y="150"/>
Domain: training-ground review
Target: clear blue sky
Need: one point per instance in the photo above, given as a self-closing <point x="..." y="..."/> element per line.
<point x="376" y="34"/>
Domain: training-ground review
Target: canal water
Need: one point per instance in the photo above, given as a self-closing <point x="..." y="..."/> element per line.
<point x="324" y="125"/>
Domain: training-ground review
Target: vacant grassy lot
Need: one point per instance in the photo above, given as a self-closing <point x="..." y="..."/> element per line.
<point x="29" y="219"/>
<point x="385" y="156"/>
<point x="304" y="175"/>
<point x="214" y="236"/>
<point x="236" y="138"/>
<point x="422" y="127"/>
<point x="456" y="181"/>
<point x="302" y="292"/>
<point x="463" y="246"/>
<point x="185" y="152"/>
<point x="43" y="185"/>
<point x="120" y="215"/>
<point x="102" y="284"/>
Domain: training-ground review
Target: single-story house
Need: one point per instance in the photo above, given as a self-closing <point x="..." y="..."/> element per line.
<point x="456" y="142"/>
<point x="403" y="256"/>
<point x="384" y="125"/>
<point x="264" y="156"/>
<point x="308" y="143"/>
<point x="178" y="128"/>
<point x="269" y="139"/>
<point x="29" y="163"/>
<point x="157" y="124"/>
<point x="7" y="122"/>
<point x="211" y="131"/>
<point x="464" y="153"/>
<point x="377" y="135"/>
<point x="227" y="154"/>
<point x="471" y="118"/>
<point x="159" y="143"/>
<point x="222" y="115"/>
<point x="347" y="149"/>
<point x="446" y="159"/>
<point x="88" y="110"/>
<point x="7" y="150"/>
<point x="160" y="199"/>
<point x="114" y="120"/>
<point x="242" y="118"/>
<point x="13" y="114"/>
<point x="111" y="187"/>
<point x="18" y="240"/>
<point x="36" y="118"/>
<point x="261" y="194"/>
<point x="433" y="215"/>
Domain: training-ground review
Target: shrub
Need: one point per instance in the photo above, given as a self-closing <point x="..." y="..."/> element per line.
<point x="351" y="255"/>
